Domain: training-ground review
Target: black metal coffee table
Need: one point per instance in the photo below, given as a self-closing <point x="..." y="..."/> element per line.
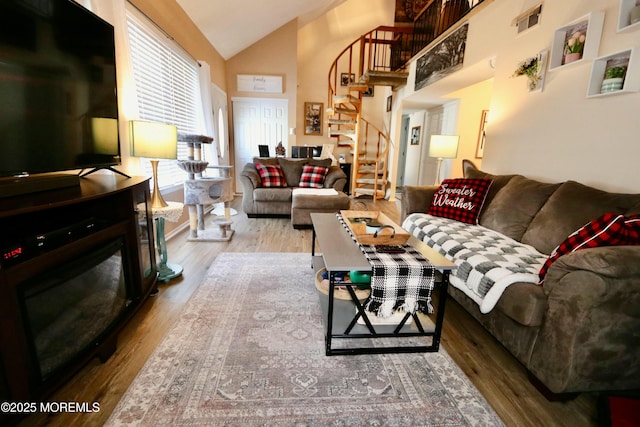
<point x="340" y="254"/>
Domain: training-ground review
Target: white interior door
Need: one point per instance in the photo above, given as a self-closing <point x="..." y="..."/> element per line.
<point x="257" y="121"/>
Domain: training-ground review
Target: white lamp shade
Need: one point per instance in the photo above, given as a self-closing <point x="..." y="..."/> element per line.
<point x="105" y="134"/>
<point x="444" y="146"/>
<point x="153" y="140"/>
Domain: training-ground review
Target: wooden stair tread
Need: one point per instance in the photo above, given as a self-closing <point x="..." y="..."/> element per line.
<point x="369" y="191"/>
<point x="343" y="132"/>
<point x="371" y="181"/>
<point x="346" y="98"/>
<point x="349" y="111"/>
<point x="342" y="122"/>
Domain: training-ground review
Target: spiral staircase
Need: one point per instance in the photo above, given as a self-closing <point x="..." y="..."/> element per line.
<point x="378" y="58"/>
<point x="374" y="59"/>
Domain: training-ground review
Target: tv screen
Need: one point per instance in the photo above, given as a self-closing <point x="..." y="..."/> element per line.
<point x="58" y="102"/>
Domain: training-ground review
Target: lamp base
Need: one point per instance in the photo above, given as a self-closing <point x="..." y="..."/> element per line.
<point x="438" y="171"/>
<point x="169" y="271"/>
<point x="156" y="197"/>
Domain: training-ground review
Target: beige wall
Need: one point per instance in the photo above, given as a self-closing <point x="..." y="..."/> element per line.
<point x="274" y="55"/>
<point x="473" y="99"/>
<point x="557" y="134"/>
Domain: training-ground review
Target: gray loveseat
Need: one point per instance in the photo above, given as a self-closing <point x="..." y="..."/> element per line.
<point x="259" y="201"/>
<point x="580" y="331"/>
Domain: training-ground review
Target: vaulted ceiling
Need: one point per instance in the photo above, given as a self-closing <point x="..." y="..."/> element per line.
<point x="233" y="25"/>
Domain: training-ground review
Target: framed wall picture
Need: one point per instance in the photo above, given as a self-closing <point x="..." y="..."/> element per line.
<point x="481" y="134"/>
<point x="313" y="118"/>
<point x="346" y="78"/>
<point x="415" y="135"/>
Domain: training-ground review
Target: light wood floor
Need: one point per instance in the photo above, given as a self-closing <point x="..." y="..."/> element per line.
<point x="498" y="376"/>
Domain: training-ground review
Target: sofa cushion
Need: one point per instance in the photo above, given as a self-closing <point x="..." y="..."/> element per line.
<point x="514" y="206"/>
<point x="523" y="302"/>
<point x="498" y="181"/>
<point x="313" y="176"/>
<point x="265" y="160"/>
<point x="319" y="162"/>
<point x="272" y="194"/>
<point x="608" y="230"/>
<point x="460" y="199"/>
<point x="271" y="175"/>
<point x="570" y="207"/>
<point x="292" y="169"/>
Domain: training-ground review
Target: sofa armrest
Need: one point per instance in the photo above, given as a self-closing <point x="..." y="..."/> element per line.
<point x="591" y="332"/>
<point x="250" y="178"/>
<point x="336" y="178"/>
<point x="416" y="199"/>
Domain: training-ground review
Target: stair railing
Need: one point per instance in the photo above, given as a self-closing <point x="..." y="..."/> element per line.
<point x="382" y="143"/>
<point x="380" y="50"/>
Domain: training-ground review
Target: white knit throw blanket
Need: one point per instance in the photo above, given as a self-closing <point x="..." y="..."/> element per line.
<point x="487" y="261"/>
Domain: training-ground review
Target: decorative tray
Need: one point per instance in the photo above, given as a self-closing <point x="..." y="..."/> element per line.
<point x="374" y="228"/>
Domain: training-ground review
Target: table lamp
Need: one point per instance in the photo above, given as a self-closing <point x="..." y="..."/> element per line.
<point x="443" y="147"/>
<point x="155" y="141"/>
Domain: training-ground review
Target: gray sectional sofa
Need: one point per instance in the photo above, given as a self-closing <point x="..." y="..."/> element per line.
<point x="259" y="201"/>
<point x="580" y="331"/>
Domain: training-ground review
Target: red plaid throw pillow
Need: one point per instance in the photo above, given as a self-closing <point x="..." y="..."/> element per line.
<point x="271" y="175"/>
<point x="460" y="199"/>
<point x="610" y="229"/>
<point x="313" y="176"/>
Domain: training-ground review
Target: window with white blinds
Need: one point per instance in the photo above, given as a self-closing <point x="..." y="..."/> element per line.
<point x="167" y="88"/>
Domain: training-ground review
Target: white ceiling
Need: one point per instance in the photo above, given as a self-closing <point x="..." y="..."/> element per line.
<point x="233" y="25"/>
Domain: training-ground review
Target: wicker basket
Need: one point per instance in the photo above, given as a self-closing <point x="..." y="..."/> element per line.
<point x="339" y="292"/>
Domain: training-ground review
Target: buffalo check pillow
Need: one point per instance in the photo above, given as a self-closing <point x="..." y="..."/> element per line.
<point x="460" y="199"/>
<point x="313" y="176"/>
<point x="271" y="175"/>
<point x="610" y="229"/>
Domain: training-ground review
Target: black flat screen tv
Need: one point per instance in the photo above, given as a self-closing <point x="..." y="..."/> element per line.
<point x="58" y="99"/>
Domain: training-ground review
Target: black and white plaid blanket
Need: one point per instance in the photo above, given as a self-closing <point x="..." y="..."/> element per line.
<point x="487" y="261"/>
<point x="401" y="281"/>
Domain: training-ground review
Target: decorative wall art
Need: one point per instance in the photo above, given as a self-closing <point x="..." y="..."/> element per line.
<point x="415" y="135"/>
<point x="615" y="74"/>
<point x="313" y="118"/>
<point x="535" y="69"/>
<point x="346" y="78"/>
<point x="576" y="41"/>
<point x="481" y="134"/>
<point x="443" y="59"/>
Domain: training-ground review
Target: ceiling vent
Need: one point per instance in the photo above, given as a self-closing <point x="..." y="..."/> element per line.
<point x="528" y="19"/>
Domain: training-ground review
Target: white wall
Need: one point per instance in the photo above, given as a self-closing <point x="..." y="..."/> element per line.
<point x="557" y="134"/>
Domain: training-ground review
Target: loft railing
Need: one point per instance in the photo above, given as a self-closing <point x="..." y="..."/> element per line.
<point x="436" y="17"/>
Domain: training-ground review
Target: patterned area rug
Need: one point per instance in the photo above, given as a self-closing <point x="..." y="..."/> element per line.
<point x="248" y="350"/>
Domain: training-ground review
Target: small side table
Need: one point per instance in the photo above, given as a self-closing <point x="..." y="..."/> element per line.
<point x="166" y="271"/>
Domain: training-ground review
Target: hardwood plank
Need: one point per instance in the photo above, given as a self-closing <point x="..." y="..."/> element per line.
<point x="499" y="377"/>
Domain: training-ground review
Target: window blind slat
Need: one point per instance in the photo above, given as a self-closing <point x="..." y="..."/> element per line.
<point x="167" y="88"/>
